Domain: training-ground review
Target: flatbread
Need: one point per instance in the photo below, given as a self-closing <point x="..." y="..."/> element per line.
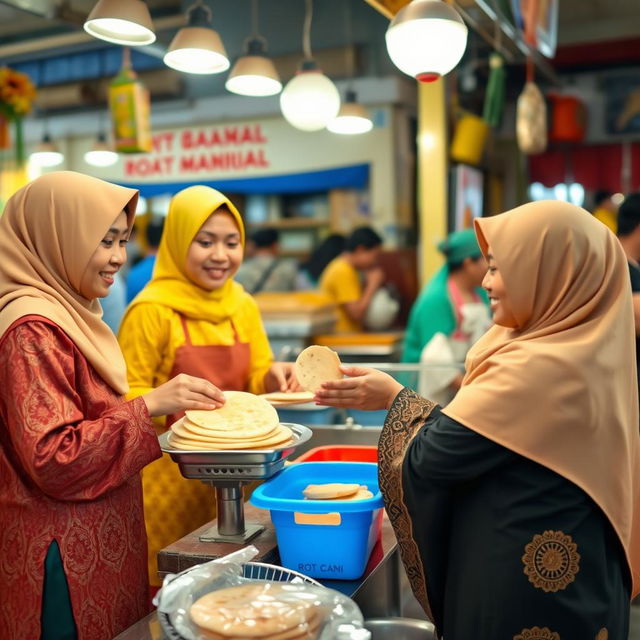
<point x="186" y="429"/>
<point x="281" y="438"/>
<point x="251" y="611"/>
<point x="330" y="491"/>
<point x="316" y="365"/>
<point x="281" y="397"/>
<point x="242" y="411"/>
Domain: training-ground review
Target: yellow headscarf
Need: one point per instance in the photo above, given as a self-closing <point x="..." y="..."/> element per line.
<point x="560" y="389"/>
<point x="170" y="285"/>
<point x="48" y="233"/>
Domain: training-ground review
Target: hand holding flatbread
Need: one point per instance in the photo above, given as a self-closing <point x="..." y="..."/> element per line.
<point x="316" y="365"/>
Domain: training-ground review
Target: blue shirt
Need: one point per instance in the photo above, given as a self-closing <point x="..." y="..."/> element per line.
<point x="139" y="276"/>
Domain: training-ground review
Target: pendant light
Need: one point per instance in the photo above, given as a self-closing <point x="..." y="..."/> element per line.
<point x="310" y="100"/>
<point x="197" y="48"/>
<point x="47" y="153"/>
<point x="353" y="118"/>
<point x="101" y="154"/>
<point x="125" y="22"/>
<point x="426" y="39"/>
<point x="254" y="74"/>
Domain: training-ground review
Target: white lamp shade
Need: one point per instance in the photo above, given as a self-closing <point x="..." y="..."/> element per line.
<point x="125" y="22"/>
<point x="46" y="154"/>
<point x="197" y="50"/>
<point x="352" y="119"/>
<point x="100" y="155"/>
<point x="310" y="101"/>
<point x="426" y="39"/>
<point x="254" y="76"/>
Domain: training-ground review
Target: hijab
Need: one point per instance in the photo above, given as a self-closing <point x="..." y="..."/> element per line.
<point x="48" y="233"/>
<point x="170" y="284"/>
<point x="560" y="388"/>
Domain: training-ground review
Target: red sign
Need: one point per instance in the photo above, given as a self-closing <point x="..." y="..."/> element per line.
<point x="206" y="150"/>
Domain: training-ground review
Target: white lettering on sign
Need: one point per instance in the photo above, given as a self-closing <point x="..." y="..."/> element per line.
<point x="205" y="150"/>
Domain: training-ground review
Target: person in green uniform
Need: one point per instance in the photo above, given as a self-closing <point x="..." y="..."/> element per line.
<point x="449" y="315"/>
<point x="517" y="506"/>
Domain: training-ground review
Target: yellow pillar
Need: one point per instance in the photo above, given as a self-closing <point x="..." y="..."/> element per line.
<point x="433" y="150"/>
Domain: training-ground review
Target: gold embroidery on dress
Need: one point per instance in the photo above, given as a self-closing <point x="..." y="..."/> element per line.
<point x="537" y="633"/>
<point x="603" y="634"/>
<point x="551" y="561"/>
<point x="404" y="420"/>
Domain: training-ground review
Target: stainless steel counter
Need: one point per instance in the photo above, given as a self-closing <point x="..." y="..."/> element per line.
<point x="382" y="592"/>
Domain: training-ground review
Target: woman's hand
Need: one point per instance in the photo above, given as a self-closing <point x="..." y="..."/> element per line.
<point x="281" y="377"/>
<point x="181" y="393"/>
<point x="367" y="389"/>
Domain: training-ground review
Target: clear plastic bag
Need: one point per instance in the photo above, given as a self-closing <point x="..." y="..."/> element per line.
<point x="230" y="605"/>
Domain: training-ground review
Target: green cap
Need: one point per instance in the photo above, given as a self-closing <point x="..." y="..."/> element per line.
<point x="460" y="245"/>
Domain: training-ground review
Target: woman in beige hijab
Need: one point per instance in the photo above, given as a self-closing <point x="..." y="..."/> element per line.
<point x="71" y="527"/>
<point x="516" y="506"/>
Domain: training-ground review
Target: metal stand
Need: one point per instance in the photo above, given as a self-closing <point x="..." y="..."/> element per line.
<point x="227" y="471"/>
<point x="230" y="525"/>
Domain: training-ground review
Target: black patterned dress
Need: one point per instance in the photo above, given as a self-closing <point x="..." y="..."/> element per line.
<point x="497" y="547"/>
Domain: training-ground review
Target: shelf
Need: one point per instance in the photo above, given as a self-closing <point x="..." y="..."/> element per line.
<point x="292" y="223"/>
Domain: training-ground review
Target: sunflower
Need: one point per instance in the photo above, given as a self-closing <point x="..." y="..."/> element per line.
<point x="17" y="92"/>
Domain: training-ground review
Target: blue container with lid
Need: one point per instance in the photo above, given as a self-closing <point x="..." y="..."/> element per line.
<point x="329" y="539"/>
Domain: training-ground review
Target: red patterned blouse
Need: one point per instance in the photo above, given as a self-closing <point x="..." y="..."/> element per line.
<point x="70" y="454"/>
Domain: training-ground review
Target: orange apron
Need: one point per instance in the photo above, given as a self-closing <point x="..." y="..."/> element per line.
<point x="173" y="505"/>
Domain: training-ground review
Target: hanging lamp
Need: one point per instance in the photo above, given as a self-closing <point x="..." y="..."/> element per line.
<point x="310" y="100"/>
<point x="101" y="154"/>
<point x="254" y="74"/>
<point x="125" y="22"/>
<point x="47" y="153"/>
<point x="426" y="39"/>
<point x="353" y="118"/>
<point x="197" y="48"/>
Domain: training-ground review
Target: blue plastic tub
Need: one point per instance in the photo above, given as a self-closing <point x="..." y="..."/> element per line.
<point x="307" y="414"/>
<point x="368" y="418"/>
<point x="330" y="539"/>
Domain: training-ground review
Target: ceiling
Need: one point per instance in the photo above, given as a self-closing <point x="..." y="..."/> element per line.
<point x="591" y="34"/>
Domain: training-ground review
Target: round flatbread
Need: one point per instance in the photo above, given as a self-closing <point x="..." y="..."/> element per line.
<point x="316" y="365"/>
<point x="330" y="491"/>
<point x="186" y="429"/>
<point x="251" y="611"/>
<point x="282" y="437"/>
<point x="308" y="631"/>
<point x="292" y="397"/>
<point x="242" y="411"/>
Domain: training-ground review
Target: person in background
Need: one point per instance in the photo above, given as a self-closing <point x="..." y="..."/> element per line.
<point x="517" y="506"/>
<point x="265" y="270"/>
<point x="605" y="209"/>
<point x="142" y="271"/>
<point x="341" y="280"/>
<point x="629" y="236"/>
<point x="309" y="272"/>
<point x="114" y="304"/>
<point x="454" y="309"/>
<point x="71" y="448"/>
<point x="193" y="318"/>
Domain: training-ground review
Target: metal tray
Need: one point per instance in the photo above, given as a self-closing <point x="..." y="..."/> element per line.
<point x="237" y="464"/>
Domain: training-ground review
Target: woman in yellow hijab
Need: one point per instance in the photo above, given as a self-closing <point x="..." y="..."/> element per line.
<point x="517" y="506"/>
<point x="193" y="318"/>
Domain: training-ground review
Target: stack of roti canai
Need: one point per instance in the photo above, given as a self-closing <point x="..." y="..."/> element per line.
<point x="287" y="398"/>
<point x="245" y="421"/>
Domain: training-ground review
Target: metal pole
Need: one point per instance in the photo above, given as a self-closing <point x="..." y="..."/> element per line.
<point x="230" y="510"/>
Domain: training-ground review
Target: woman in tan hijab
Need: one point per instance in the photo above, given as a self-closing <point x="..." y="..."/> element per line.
<point x="516" y="506"/>
<point x="71" y="527"/>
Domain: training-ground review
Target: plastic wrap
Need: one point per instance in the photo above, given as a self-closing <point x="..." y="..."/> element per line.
<point x="215" y="600"/>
